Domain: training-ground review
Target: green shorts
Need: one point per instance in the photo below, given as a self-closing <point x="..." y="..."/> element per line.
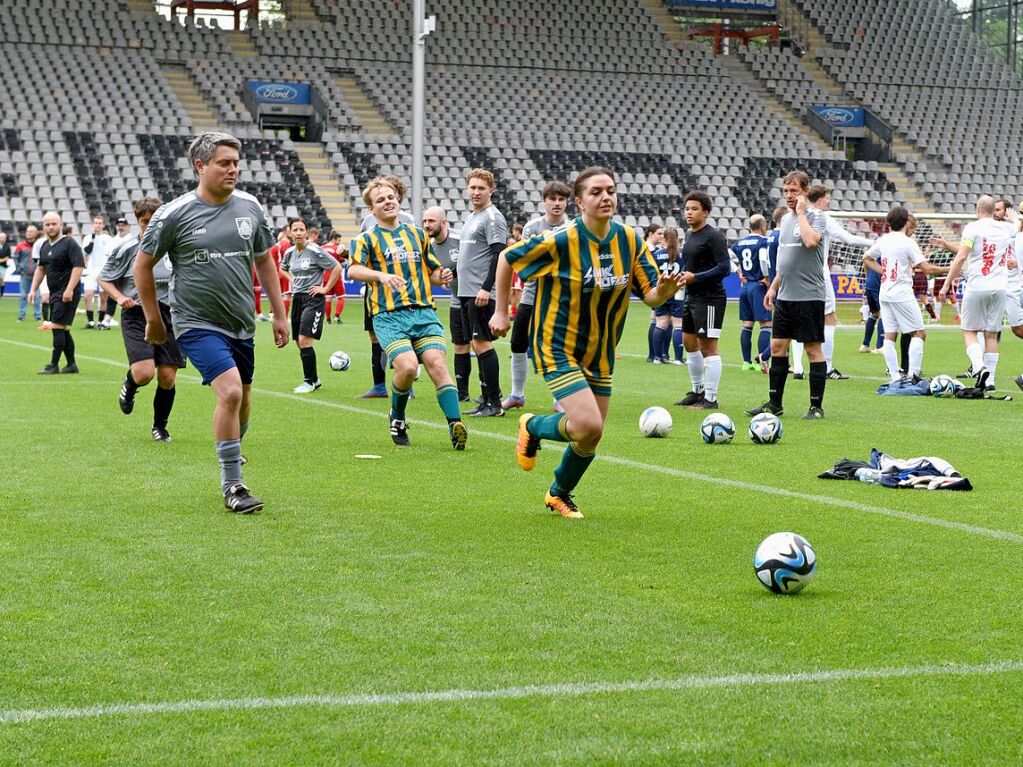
<point x="570" y="380"/>
<point x="408" y="330"/>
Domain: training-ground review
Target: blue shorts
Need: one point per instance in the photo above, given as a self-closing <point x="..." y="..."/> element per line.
<point x="873" y="300"/>
<point x="408" y="330"/>
<point x="675" y="308"/>
<point x="214" y="353"/>
<point x="751" y="303"/>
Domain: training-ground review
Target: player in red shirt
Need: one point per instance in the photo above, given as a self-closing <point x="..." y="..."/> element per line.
<point x="340" y="252"/>
<point x="277" y="254"/>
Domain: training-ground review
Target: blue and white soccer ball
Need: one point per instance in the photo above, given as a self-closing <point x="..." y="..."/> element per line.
<point x="765" y="429"/>
<point x="785" y="563"/>
<point x="945" y="386"/>
<point x="655" y="422"/>
<point x="717" y="429"/>
<point x="339" y="361"/>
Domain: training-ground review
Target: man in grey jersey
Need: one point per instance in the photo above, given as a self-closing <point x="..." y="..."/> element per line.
<point x="555" y="199"/>
<point x="797" y="296"/>
<point x="445" y="245"/>
<point x="214" y="236"/>
<point x="484" y="236"/>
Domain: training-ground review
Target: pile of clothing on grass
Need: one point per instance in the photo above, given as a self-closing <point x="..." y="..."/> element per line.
<point x="926" y="473"/>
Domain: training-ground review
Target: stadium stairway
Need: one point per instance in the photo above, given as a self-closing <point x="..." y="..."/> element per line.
<point x="339" y="208"/>
<point x="801" y="27"/>
<point x="138" y="6"/>
<point x="666" y="22"/>
<point x="372" y="121"/>
<point x="299" y="12"/>
<point x="914" y="199"/>
<point x="195" y="106"/>
<point x="241" y="43"/>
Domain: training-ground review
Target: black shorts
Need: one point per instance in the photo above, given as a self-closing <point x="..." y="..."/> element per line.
<point x="61" y="313"/>
<point x="520" y="329"/>
<point x="801" y="321"/>
<point x="459" y="336"/>
<point x="133" y="331"/>
<point x="367" y="318"/>
<point x="307" y="315"/>
<point x="704" y="316"/>
<point x="476" y="319"/>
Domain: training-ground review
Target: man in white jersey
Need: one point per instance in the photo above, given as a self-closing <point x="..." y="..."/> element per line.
<point x="96" y="246"/>
<point x="984" y="252"/>
<point x="894" y="256"/>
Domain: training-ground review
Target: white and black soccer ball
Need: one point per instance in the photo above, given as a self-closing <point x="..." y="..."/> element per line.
<point x="785" y="563"/>
<point x="339" y="361"/>
<point x="655" y="422"/>
<point x="945" y="386"/>
<point x="717" y="429"/>
<point x="765" y="429"/>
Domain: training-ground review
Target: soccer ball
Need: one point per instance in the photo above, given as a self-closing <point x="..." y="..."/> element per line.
<point x="785" y="563"/>
<point x="944" y="386"/>
<point x="339" y="361"/>
<point x="655" y="422"/>
<point x="765" y="429"/>
<point x="717" y="429"/>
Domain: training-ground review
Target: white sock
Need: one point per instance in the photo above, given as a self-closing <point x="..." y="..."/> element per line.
<point x="694" y="361"/>
<point x="916" y="355"/>
<point x="991" y="363"/>
<point x="519" y="370"/>
<point x="864" y="311"/>
<point x="973" y="351"/>
<point x="713" y="366"/>
<point x="829" y="345"/>
<point x="797" y="357"/>
<point x="891" y="358"/>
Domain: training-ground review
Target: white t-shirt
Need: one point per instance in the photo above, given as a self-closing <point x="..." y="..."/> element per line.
<point x="991" y="245"/>
<point x="897" y="254"/>
<point x="101" y="248"/>
<point x="1015" y="286"/>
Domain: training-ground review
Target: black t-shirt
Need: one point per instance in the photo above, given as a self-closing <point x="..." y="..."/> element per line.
<point x="706" y="255"/>
<point x="58" y="259"/>
<point x="5" y="254"/>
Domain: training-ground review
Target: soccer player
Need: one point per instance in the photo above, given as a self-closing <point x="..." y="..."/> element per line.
<point x="555" y="199"/>
<point x="96" y="246"/>
<point x="484" y="235"/>
<point x="395" y="262"/>
<point x="585" y="272"/>
<point x="61" y="263"/>
<point x="985" y="249"/>
<point x="751" y="253"/>
<point x="797" y="296"/>
<point x="306" y="264"/>
<point x="213" y="236"/>
<point x="444" y="245"/>
<point x="145" y="360"/>
<point x="895" y="256"/>
<point x="654" y="242"/>
<point x="339" y="252"/>
<point x="671" y="312"/>
<point x="705" y="254"/>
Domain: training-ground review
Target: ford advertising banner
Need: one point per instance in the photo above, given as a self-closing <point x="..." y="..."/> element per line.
<point x="727" y="5"/>
<point x="279" y="93"/>
<point x="841" y="117"/>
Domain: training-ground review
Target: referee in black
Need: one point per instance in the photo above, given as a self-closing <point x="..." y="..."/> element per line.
<point x="61" y="262"/>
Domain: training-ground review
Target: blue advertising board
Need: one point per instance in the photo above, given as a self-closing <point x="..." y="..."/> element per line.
<point x="841" y="117"/>
<point x="727" y="5"/>
<point x="279" y="93"/>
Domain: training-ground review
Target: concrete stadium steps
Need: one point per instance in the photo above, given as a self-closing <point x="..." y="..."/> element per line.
<point x="911" y="196"/>
<point x="372" y="120"/>
<point x="339" y="208"/>
<point x="199" y="111"/>
<point x="139" y="6"/>
<point x="300" y="12"/>
<point x="240" y="42"/>
<point x="666" y="22"/>
<point x="801" y="26"/>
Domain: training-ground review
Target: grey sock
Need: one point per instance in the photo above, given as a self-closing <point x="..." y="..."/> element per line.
<point x="229" y="453"/>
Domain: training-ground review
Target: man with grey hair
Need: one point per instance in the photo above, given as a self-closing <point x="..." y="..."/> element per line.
<point x="444" y="244"/>
<point x="61" y="262"/>
<point x="214" y="236"/>
<point x="26" y="266"/>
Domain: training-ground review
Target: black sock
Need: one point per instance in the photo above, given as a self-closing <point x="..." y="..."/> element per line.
<point x="378" y="367"/>
<point x="463" y="369"/>
<point x="490" y="372"/>
<point x="130" y="384"/>
<point x="904" y="340"/>
<point x="818" y="378"/>
<point x="46" y="311"/>
<point x="111" y="307"/>
<point x="777" y="374"/>
<point x="90" y="315"/>
<point x="69" y="347"/>
<point x="163" y="401"/>
<point x="309" y="364"/>
<point x="650" y="340"/>
<point x="58" y="347"/>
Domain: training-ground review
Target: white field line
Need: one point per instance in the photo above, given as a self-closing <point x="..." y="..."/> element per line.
<point x="817" y="498"/>
<point x="564" y="690"/>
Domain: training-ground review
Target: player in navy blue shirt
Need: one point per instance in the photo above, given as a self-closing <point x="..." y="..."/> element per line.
<point x="773" y="238"/>
<point x="669" y="264"/>
<point x="872" y="293"/>
<point x="751" y="254"/>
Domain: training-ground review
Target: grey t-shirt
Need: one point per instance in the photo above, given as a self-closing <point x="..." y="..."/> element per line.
<point x="533" y="227"/>
<point x="212" y="249"/>
<point x="447" y="253"/>
<point x="118" y="270"/>
<point x="307" y="266"/>
<point x="800" y="268"/>
<point x="369" y="220"/>
<point x="479" y="231"/>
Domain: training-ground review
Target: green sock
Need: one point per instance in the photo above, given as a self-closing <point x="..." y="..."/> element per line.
<point x="399" y="400"/>
<point x="447" y="397"/>
<point x="574" y="464"/>
<point x="548" y="427"/>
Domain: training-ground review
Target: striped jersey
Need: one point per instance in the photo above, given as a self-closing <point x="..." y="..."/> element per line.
<point x="404" y="251"/>
<point x="582" y="295"/>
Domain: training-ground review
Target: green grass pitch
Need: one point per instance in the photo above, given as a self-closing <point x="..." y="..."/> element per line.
<point x="440" y="615"/>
